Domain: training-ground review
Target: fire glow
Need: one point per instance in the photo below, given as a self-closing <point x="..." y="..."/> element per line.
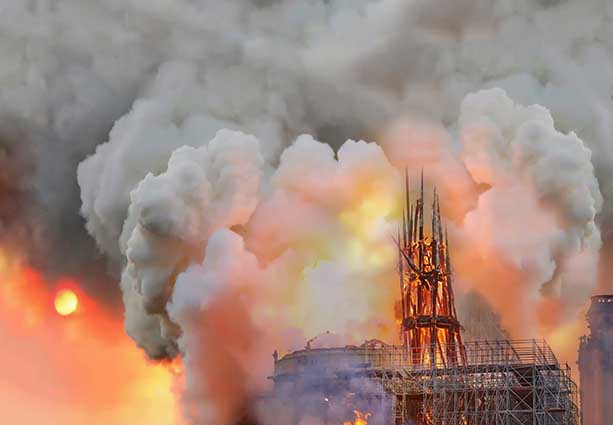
<point x="360" y="418"/>
<point x="66" y="302"/>
<point x="67" y="371"/>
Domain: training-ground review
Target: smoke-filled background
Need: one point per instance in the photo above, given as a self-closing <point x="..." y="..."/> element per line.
<point x="198" y="166"/>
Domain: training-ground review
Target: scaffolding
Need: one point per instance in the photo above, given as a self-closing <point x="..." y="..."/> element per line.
<point x="503" y="382"/>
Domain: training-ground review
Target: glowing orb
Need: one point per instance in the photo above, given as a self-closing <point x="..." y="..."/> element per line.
<point x="66" y="302"/>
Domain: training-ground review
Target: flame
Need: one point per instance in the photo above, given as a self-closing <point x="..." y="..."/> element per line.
<point x="360" y="418"/>
<point x="66" y="302"/>
<point x="66" y="371"/>
<point x="359" y="244"/>
<point x="367" y="226"/>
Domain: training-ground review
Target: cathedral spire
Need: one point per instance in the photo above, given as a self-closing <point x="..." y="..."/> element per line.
<point x="430" y="328"/>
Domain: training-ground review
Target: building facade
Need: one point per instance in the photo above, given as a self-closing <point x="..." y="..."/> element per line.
<point x="596" y="363"/>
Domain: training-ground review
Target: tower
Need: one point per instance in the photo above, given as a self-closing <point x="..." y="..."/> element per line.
<point x="596" y="363"/>
<point x="429" y="327"/>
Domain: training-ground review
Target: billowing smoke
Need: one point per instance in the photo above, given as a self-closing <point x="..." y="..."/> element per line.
<point x="233" y="233"/>
<point x="227" y="257"/>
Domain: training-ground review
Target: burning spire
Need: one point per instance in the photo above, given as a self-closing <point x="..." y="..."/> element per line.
<point x="430" y="329"/>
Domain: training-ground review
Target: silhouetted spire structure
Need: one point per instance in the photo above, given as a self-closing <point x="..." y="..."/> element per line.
<point x="430" y="328"/>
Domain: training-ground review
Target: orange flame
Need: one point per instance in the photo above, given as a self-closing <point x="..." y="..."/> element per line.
<point x="76" y="363"/>
<point x="360" y="418"/>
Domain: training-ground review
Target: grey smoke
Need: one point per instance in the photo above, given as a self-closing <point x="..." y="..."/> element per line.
<point x="70" y="69"/>
<point x="479" y="320"/>
<point x="113" y="88"/>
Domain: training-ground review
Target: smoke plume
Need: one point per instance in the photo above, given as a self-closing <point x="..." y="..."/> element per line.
<point x="227" y="257"/>
<point x="209" y="151"/>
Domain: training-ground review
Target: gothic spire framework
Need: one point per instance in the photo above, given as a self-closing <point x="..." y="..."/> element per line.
<point x="430" y="329"/>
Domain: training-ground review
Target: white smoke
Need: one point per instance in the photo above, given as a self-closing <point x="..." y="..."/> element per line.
<point x="211" y="305"/>
<point x="538" y="217"/>
<point x="172" y="215"/>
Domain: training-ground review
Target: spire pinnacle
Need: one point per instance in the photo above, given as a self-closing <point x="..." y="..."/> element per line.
<point x="429" y="326"/>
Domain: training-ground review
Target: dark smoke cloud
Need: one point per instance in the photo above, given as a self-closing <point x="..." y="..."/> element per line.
<point x="40" y="201"/>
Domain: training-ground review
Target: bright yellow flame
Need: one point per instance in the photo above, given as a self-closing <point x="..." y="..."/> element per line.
<point x="66" y="302"/>
<point x="365" y="221"/>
